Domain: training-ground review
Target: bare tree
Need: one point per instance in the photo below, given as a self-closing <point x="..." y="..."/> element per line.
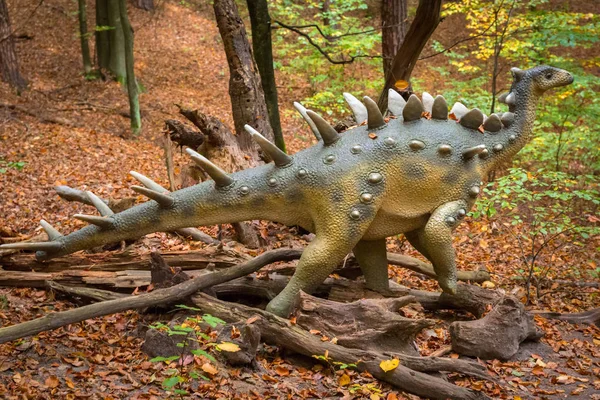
<point x="393" y="30"/>
<point x="263" y="54"/>
<point x="245" y="90"/>
<point x="425" y="22"/>
<point x="9" y="64"/>
<point x="83" y="35"/>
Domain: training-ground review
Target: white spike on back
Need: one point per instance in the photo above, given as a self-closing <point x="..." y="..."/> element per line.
<point x="396" y="103"/>
<point x="428" y="102"/>
<point x="302" y="110"/>
<point x="358" y="108"/>
<point x="459" y="110"/>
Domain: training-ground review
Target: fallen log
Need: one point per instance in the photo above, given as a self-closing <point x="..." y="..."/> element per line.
<point x="187" y="260"/>
<point x="161" y="296"/>
<point x="111" y="261"/>
<point x="591" y="317"/>
<point x="282" y="332"/>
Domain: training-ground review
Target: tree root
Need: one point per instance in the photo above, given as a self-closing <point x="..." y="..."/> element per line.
<point x="282" y="332"/>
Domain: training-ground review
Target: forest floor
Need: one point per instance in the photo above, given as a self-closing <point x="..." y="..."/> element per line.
<point x="70" y="131"/>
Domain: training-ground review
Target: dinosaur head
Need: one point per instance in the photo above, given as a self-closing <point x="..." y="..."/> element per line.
<point x="544" y="77"/>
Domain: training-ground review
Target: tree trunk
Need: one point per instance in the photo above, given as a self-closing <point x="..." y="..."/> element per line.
<point x="83" y="35"/>
<point x="393" y="30"/>
<point x="247" y="97"/>
<point x="9" y="64"/>
<point x="421" y="29"/>
<point x="102" y="39"/>
<point x="116" y="63"/>
<point x="132" y="87"/>
<point x="263" y="54"/>
<point x="147" y="5"/>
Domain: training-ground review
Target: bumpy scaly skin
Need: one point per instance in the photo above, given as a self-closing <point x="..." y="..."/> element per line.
<point x="410" y="175"/>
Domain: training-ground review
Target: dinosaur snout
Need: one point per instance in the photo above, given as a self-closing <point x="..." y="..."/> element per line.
<point x="570" y="78"/>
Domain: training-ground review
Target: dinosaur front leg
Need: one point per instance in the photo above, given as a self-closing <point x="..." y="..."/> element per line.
<point x="372" y="259"/>
<point x="434" y="241"/>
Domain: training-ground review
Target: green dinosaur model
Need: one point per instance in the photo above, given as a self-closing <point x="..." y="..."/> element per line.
<point x="417" y="174"/>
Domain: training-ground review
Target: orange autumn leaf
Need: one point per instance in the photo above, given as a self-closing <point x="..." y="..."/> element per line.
<point x="401" y="84"/>
<point x="344" y="380"/>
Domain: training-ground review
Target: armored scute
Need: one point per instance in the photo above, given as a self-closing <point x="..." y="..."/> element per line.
<point x="417" y="174"/>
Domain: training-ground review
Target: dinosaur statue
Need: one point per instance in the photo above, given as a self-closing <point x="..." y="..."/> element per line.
<point x="418" y="174"/>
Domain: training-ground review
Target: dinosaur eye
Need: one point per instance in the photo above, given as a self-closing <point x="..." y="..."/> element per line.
<point x="548" y="75"/>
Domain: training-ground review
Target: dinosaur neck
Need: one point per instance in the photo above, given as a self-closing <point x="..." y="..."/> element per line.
<point x="509" y="141"/>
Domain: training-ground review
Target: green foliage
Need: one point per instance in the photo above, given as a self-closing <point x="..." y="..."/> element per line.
<point x="342" y="38"/>
<point x="334" y="364"/>
<point x="547" y="210"/>
<point x="6" y="165"/>
<point x="190" y="330"/>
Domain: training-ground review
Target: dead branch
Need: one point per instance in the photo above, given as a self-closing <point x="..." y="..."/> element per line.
<point x="174" y="293"/>
<point x="42" y="117"/>
<point x="183" y="135"/>
<point x="84" y="292"/>
<point x="282" y="332"/>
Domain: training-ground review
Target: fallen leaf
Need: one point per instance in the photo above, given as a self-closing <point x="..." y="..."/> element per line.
<point x="229" y="347"/>
<point x="389" y="365"/>
<point x="344" y="380"/>
<point x="52" y="381"/>
<point x="209" y="368"/>
<point x="282" y="371"/>
<point x="269" y="378"/>
<point x="488" y="284"/>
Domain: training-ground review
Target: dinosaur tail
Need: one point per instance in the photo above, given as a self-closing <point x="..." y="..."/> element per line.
<point x="221" y="200"/>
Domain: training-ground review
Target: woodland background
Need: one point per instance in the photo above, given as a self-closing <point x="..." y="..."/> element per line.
<point x="536" y="228"/>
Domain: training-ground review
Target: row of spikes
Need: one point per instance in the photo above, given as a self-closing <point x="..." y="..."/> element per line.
<point x="151" y="189"/>
<point x="437" y="108"/>
<point x="154" y="191"/>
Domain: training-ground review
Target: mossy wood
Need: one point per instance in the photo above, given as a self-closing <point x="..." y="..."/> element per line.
<point x="417" y="174"/>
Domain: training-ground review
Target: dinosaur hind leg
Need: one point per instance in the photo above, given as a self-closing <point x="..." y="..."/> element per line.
<point x="319" y="259"/>
<point x="372" y="259"/>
